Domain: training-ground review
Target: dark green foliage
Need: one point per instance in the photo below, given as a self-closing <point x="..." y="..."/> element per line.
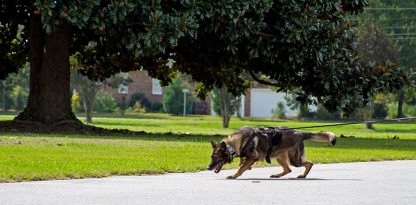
<point x="321" y="113"/>
<point x="174" y="96"/>
<point x="139" y="97"/>
<point x="15" y="88"/>
<point x="6" y="102"/>
<point x="20" y="101"/>
<point x="304" y="44"/>
<point x="104" y="102"/>
<point x="380" y="111"/>
<point x="156" y="107"/>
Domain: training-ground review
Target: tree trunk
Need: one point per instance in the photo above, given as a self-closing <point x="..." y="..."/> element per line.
<point x="225" y="106"/>
<point x="367" y="113"/>
<point x="225" y="115"/>
<point x="89" y="94"/>
<point x="237" y="107"/>
<point x="49" y="96"/>
<point x="3" y="96"/>
<point x="88" y="111"/>
<point x="400" y="105"/>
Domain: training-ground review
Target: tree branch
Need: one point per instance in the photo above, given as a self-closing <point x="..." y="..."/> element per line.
<point x="266" y="35"/>
<point x="268" y="83"/>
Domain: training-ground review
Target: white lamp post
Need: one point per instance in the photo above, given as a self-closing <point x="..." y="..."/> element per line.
<point x="184" y="101"/>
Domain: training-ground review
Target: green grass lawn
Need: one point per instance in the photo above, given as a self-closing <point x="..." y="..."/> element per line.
<point x="44" y="157"/>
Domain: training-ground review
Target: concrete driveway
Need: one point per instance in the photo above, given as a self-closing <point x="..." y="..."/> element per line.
<point x="390" y="182"/>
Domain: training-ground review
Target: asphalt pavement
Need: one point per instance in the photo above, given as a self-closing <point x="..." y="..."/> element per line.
<point x="389" y="182"/>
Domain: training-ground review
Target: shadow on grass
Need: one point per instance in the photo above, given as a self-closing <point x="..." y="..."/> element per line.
<point x="383" y="130"/>
<point x="151" y="137"/>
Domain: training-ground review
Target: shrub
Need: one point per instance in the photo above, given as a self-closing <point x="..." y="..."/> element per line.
<point x="324" y="114"/>
<point x="138" y="108"/>
<point x="173" y="99"/>
<point x="380" y="111"/>
<point x="156" y="107"/>
<point x="279" y="112"/>
<point x="104" y="102"/>
<point x="77" y="103"/>
<point x="139" y="97"/>
<point x="408" y="110"/>
<point x="20" y="101"/>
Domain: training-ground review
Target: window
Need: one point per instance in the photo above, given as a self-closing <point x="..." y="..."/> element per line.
<point x="156" y="88"/>
<point x="123" y="89"/>
<point x="124" y="75"/>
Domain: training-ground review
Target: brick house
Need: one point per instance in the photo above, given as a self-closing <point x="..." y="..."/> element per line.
<point x="143" y="83"/>
<point x="258" y="101"/>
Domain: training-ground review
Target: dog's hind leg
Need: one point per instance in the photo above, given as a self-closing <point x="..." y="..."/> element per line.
<point x="308" y="165"/>
<point x="282" y="160"/>
<point x="247" y="163"/>
<point x="297" y="158"/>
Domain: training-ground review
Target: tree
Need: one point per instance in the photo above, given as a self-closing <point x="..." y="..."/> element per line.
<point x="294" y="104"/>
<point x="174" y="96"/>
<point x="88" y="89"/>
<point x="14" y="90"/>
<point x="279" y="112"/>
<point x="376" y="46"/>
<point x="399" y="24"/>
<point x="224" y="104"/>
<point x="139" y="97"/>
<point x="305" y="44"/>
<point x="104" y="102"/>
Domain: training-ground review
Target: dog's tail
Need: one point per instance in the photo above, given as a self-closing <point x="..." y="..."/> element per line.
<point x="323" y="137"/>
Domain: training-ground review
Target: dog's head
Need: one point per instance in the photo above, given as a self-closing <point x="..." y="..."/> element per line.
<point x="220" y="156"/>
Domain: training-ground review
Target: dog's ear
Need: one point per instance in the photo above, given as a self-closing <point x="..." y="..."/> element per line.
<point x="224" y="145"/>
<point x="213" y="144"/>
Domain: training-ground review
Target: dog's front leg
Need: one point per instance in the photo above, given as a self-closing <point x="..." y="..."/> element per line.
<point x="241" y="162"/>
<point x="242" y="168"/>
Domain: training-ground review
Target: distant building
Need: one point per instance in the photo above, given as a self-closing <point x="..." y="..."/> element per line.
<point x="258" y="101"/>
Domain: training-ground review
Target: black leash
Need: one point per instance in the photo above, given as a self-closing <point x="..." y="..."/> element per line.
<point x="350" y="123"/>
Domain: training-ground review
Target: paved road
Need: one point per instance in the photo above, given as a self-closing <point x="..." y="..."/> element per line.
<point x="390" y="182"/>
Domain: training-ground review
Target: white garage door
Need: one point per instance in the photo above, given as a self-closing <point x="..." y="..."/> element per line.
<point x="264" y="100"/>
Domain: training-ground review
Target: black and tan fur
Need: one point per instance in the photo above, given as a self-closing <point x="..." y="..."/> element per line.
<point x="291" y="150"/>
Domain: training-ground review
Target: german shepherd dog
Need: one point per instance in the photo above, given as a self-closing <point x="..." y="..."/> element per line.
<point x="291" y="149"/>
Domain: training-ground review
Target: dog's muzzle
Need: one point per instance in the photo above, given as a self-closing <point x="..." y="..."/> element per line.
<point x="217" y="167"/>
<point x="211" y="167"/>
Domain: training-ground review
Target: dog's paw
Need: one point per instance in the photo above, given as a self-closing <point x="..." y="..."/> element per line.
<point x="231" y="177"/>
<point x="301" y="176"/>
<point x="275" y="176"/>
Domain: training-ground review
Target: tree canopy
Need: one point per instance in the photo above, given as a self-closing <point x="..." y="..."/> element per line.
<point x="304" y="44"/>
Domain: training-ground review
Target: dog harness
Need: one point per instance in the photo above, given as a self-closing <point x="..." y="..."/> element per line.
<point x="274" y="137"/>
